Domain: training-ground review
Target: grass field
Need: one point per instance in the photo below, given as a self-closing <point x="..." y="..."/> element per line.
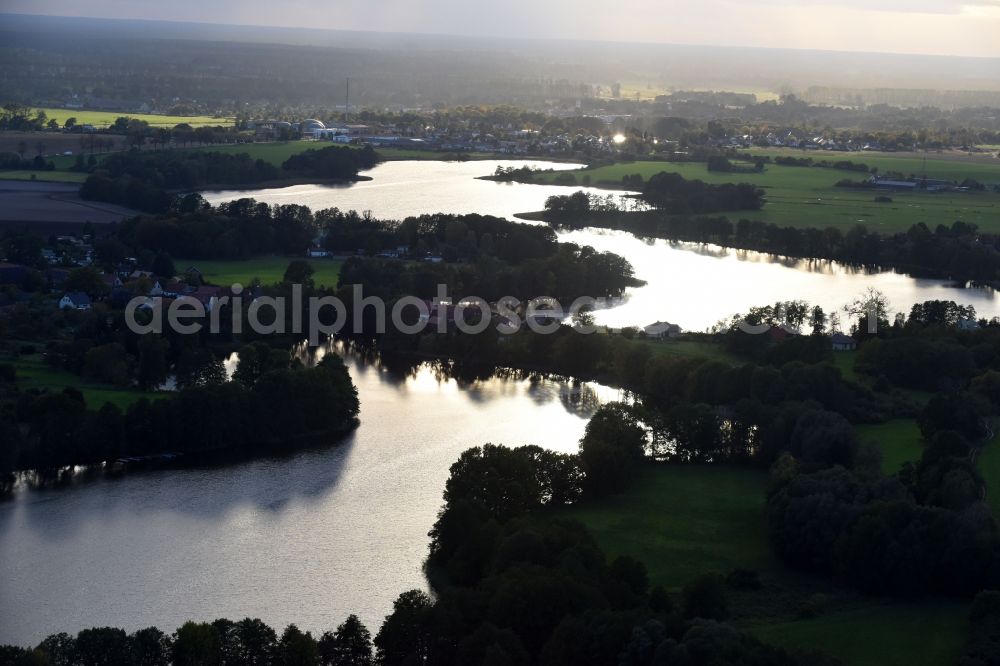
<point x="806" y="196"/>
<point x="685" y="520"/>
<point x="844" y="361"/>
<point x="101" y="119"/>
<point x="272" y="152"/>
<point x="693" y="349"/>
<point x="277" y="152"/>
<point x="49" y="176"/>
<point x="33" y="373"/>
<point x="899" y="441"/>
<point x="920" y="634"/>
<point x="269" y="270"/>
<point x="988" y="461"/>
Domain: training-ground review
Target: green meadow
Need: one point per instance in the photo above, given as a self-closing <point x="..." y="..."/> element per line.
<point x="682" y="521"/>
<point x="102" y="119"/>
<point x="269" y="270"/>
<point x="900" y="441"/>
<point x="33" y="373"/>
<point x="44" y="176"/>
<point x="807" y="197"/>
<point x="988" y="462"/>
<point x="685" y="520"/>
<point x="712" y="351"/>
<point x="273" y="152"/>
<point x="276" y="152"/>
<point x="925" y="633"/>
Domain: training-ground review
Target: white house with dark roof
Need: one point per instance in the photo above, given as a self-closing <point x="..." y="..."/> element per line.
<point x="74" y="300"/>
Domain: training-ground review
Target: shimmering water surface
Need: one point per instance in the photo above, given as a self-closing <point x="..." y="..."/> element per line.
<point x="314" y="536"/>
<point x="307" y="538"/>
<point x="687" y="284"/>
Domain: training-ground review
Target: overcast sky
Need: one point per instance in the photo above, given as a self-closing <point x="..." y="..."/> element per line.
<point x="945" y="27"/>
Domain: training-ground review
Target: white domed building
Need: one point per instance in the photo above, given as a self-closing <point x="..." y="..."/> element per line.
<point x="311" y="127"/>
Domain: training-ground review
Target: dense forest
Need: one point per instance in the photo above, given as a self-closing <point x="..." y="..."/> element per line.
<point x="146" y="180"/>
<point x="514" y="582"/>
<point x="269" y="406"/>
<point x="667" y="193"/>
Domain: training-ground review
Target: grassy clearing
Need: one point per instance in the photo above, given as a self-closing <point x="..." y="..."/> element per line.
<point x="102" y="119"/>
<point x="46" y="176"/>
<point x="269" y="270"/>
<point x="683" y="521"/>
<point x="844" y="361"/>
<point x="988" y="461"/>
<point x="951" y="165"/>
<point x="278" y="151"/>
<point x="920" y="634"/>
<point x="33" y="373"/>
<point x="806" y="196"/>
<point x="275" y="152"/>
<point x="900" y="441"/>
<point x="692" y="348"/>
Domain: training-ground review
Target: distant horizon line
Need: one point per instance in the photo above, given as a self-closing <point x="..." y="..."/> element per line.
<point x="499" y="38"/>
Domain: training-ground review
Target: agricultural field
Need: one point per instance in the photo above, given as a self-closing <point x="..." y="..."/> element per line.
<point x="269" y="270"/>
<point x="101" y="119"/>
<point x="806" y="196"/>
<point x="45" y="176"/>
<point x="51" y="145"/>
<point x="276" y="152"/>
<point x="33" y="373"/>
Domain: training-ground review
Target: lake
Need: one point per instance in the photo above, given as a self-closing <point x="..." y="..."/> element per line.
<point x="307" y="538"/>
<point x="314" y="536"/>
<point x="417" y="187"/>
<point x="691" y="285"/>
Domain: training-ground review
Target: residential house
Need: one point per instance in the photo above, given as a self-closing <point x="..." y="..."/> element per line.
<point x="207" y="296"/>
<point x="781" y="333"/>
<point x="661" y="330"/>
<point x="192" y="273"/>
<point x="125" y="268"/>
<point x="841" y="342"/>
<point x="74" y="300"/>
<point x="112" y="281"/>
<point x="175" y="288"/>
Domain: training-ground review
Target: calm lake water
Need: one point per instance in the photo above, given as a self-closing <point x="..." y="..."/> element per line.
<point x="314" y="536"/>
<point x="401" y="189"/>
<point x="687" y="284"/>
<point x="697" y="285"/>
<point x="307" y="538"/>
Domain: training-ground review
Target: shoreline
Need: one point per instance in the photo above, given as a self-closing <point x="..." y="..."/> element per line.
<point x="274" y="184"/>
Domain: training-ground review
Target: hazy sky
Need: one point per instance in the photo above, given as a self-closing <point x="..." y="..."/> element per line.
<point x="947" y="27"/>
